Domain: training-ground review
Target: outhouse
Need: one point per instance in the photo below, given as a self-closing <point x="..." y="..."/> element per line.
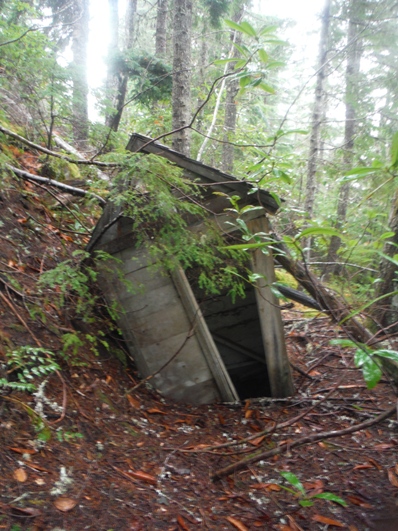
<point x="198" y="349"/>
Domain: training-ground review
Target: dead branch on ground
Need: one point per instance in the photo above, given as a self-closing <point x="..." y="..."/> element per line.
<point x="288" y="445"/>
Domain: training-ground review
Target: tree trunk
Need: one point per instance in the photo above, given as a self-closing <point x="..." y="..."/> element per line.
<point x="80" y="85"/>
<point x="352" y="84"/>
<point x="113" y="50"/>
<point x="181" y="93"/>
<point x="317" y="117"/>
<point x="232" y="88"/>
<point x="120" y="79"/>
<point x="161" y="29"/>
<point x="385" y="311"/>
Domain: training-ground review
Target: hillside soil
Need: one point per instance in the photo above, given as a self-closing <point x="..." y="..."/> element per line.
<point x="109" y="455"/>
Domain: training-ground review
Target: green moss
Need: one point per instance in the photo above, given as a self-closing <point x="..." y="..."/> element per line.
<point x="286" y="278"/>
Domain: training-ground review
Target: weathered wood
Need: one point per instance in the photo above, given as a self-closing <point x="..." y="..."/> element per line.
<point x="279" y="372"/>
<point x="169" y="337"/>
<point x="207" y="173"/>
<point x="224" y="382"/>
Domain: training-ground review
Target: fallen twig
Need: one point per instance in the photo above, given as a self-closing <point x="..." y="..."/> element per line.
<point x="288" y="445"/>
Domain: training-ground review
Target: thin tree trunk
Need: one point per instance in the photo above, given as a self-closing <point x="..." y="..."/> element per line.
<point x="317" y="117"/>
<point x="161" y="29"/>
<point x="385" y="311"/>
<point x="121" y="78"/>
<point x="181" y="93"/>
<point x="231" y="112"/>
<point x="351" y="94"/>
<point x="113" y="49"/>
<point x="80" y="84"/>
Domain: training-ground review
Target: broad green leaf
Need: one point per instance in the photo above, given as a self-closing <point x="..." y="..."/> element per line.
<point x="243" y="50"/>
<point x="240" y="64"/>
<point x="293" y="480"/>
<point x="275" y="64"/>
<point x="389" y="354"/>
<point x="245" y="246"/>
<point x="242" y="224"/>
<point x="248" y="29"/>
<point x="263" y="55"/>
<point x="393" y="259"/>
<point x="225" y="61"/>
<point x="331" y="497"/>
<point x="266" y="88"/>
<point x="233" y="25"/>
<point x="347" y="343"/>
<point x="371" y="373"/>
<point x="277" y="42"/>
<point x="387" y="235"/>
<point x="394" y="150"/>
<point x="250" y="208"/>
<point x="362" y="355"/>
<point x="281" y="133"/>
<point x="306" y="503"/>
<point x="357" y="173"/>
<point x="276" y="292"/>
<point x="279" y="174"/>
<point x="245" y="81"/>
<point x="314" y="231"/>
<point x="245" y="27"/>
<point x="267" y="29"/>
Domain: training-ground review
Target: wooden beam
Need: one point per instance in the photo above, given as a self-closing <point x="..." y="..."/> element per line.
<point x="279" y="373"/>
<point x="224" y="383"/>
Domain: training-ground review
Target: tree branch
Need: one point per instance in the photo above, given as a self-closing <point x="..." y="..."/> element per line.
<point x="314" y="437"/>
<point x="56" y="184"/>
<point x="55" y="154"/>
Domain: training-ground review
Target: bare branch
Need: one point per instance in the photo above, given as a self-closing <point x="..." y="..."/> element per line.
<point x="56" y="184"/>
<point x="55" y="154"/>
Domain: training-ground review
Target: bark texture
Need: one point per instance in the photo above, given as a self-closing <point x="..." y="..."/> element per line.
<point x="181" y="93"/>
<point x="118" y="85"/>
<point x="231" y="111"/>
<point x="385" y="311"/>
<point x="354" y="52"/>
<point x="80" y="85"/>
<point x="161" y="29"/>
<point x="317" y="113"/>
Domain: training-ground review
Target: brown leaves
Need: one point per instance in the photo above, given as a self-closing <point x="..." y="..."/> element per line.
<point x="392" y="476"/>
<point x="20" y="475"/>
<point x="133" y="402"/>
<point x="325" y="520"/>
<point x="355" y="500"/>
<point x="137" y="475"/>
<point x="65" y="504"/>
<point x="237" y="523"/>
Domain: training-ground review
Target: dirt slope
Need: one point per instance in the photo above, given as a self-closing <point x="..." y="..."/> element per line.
<point x="106" y="456"/>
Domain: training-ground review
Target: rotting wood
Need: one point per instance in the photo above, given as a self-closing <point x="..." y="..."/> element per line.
<point x="279" y="372"/>
<point x="212" y="177"/>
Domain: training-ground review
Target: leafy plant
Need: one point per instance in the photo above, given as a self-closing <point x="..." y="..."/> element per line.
<point x="29" y="363"/>
<point x="367" y="360"/>
<point x="305" y="499"/>
<point x="68" y="435"/>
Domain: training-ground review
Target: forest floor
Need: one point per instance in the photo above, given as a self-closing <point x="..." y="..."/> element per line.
<point x="118" y="458"/>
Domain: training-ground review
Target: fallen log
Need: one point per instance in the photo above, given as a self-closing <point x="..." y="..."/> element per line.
<point x="298" y="296"/>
